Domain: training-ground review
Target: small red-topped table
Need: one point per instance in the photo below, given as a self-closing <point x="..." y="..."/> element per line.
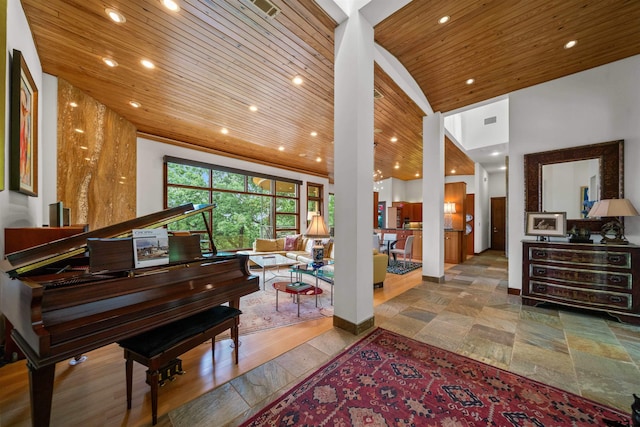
<point x="286" y="287"/>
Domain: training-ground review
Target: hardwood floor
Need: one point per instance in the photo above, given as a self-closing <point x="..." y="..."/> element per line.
<point x="93" y="393"/>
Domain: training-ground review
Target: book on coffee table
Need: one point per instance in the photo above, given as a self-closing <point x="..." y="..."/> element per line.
<point x="299" y="286"/>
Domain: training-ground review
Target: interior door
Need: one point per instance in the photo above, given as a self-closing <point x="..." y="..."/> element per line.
<point x="498" y="223"/>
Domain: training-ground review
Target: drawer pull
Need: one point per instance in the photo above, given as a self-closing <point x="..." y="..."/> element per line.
<point x="540" y="288"/>
<point x="540" y="254"/>
<point x="615" y="299"/>
<point x="614" y="258"/>
<point x="539" y="271"/>
<point x="615" y="279"/>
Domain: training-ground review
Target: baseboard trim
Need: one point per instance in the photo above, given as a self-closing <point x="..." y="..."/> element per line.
<point x="513" y="291"/>
<point x="348" y="326"/>
<point x="433" y="279"/>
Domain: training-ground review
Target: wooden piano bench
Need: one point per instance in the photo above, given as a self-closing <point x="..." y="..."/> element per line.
<point x="159" y="348"/>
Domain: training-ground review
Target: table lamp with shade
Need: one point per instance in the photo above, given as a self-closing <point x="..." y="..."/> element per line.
<point x="317" y="230"/>
<point x="613" y="208"/>
<point x="449" y="210"/>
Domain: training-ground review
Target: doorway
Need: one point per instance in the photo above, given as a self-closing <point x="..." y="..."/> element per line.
<point x="498" y="223"/>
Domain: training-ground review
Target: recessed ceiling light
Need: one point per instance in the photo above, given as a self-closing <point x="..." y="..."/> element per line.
<point x="495" y="153"/>
<point x="397" y="166"/>
<point x="394" y="139"/>
<point x="147" y="64"/>
<point x="224" y="131"/>
<point x="73" y="104"/>
<point x="453" y="171"/>
<point x="253" y="108"/>
<point x="297" y="80"/>
<point x="417" y="175"/>
<point x="82" y="147"/>
<point x="570" y="44"/>
<point x="87" y="159"/>
<point x="115" y="16"/>
<point x="470" y="81"/>
<point x="314" y="133"/>
<point x="134" y="104"/>
<point x="110" y="62"/>
<point x="318" y="159"/>
<point x="120" y="182"/>
<point x="123" y="177"/>
<point x="281" y="148"/>
<point x="444" y="19"/>
<point x="79" y="130"/>
<point x="171" y="5"/>
<point x="302" y="155"/>
<point x="503" y="168"/>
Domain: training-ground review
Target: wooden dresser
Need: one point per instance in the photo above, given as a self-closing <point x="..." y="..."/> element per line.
<point x="598" y="277"/>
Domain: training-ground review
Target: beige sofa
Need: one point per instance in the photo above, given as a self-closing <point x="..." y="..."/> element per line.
<point x="301" y="252"/>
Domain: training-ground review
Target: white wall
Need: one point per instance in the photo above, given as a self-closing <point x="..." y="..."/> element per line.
<point x="597" y="105"/>
<point x="150" y="173"/>
<point x="413" y="191"/>
<point x="497" y="184"/>
<point x="16" y="209"/>
<point x="482" y="219"/>
<point x="475" y="134"/>
<point x="49" y="138"/>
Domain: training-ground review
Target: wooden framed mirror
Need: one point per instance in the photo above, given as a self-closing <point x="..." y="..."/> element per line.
<point x="609" y="178"/>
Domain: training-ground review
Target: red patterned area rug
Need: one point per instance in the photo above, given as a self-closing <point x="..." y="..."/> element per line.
<point x="386" y="379"/>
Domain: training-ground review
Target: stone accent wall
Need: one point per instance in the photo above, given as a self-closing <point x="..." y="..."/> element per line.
<point x="96" y="160"/>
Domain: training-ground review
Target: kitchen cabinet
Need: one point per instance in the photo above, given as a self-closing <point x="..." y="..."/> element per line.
<point x="453" y="248"/>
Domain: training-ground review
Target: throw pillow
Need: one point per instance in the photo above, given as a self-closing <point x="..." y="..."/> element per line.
<point x="328" y="246"/>
<point x="291" y="242"/>
<point x="266" y="245"/>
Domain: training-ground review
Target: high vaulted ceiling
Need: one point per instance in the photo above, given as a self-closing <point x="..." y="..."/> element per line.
<point x="216" y="58"/>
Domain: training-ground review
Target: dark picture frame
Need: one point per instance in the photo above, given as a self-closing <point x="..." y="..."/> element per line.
<point x="23" y="166"/>
<point x="546" y="224"/>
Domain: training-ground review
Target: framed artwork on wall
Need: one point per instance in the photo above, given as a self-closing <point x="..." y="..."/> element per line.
<point x="23" y="168"/>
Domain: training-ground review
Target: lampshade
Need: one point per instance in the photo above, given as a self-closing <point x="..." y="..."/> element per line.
<point x="612" y="207"/>
<point x="317" y="228"/>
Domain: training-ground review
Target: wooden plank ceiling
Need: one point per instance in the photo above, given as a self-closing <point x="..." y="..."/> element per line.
<point x="215" y="58"/>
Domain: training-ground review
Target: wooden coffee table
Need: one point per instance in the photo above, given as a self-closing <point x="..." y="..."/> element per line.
<point x="283" y="287"/>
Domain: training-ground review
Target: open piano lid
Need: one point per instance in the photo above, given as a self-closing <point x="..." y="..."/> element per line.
<point x="21" y="262"/>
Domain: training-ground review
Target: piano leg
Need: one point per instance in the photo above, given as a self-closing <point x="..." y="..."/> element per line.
<point x="129" y="374"/>
<point x="41" y="392"/>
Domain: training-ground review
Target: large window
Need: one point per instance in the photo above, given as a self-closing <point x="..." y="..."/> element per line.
<point x="247" y="206"/>
<point x="314" y="198"/>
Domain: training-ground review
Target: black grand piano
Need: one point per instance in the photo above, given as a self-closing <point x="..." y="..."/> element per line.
<point x="62" y="301"/>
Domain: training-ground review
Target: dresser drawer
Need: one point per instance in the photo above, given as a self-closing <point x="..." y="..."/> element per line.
<point x="616" y="281"/>
<point x="592" y="297"/>
<point x="587" y="257"/>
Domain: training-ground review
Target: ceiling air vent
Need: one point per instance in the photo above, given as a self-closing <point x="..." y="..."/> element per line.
<point x="268" y="8"/>
<point x="490" y="120"/>
<point x="377" y="94"/>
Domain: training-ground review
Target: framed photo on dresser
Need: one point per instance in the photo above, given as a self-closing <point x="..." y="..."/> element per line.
<point x="546" y="224"/>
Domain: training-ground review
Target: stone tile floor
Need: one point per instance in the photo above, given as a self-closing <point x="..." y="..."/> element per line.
<point x="470" y="314"/>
